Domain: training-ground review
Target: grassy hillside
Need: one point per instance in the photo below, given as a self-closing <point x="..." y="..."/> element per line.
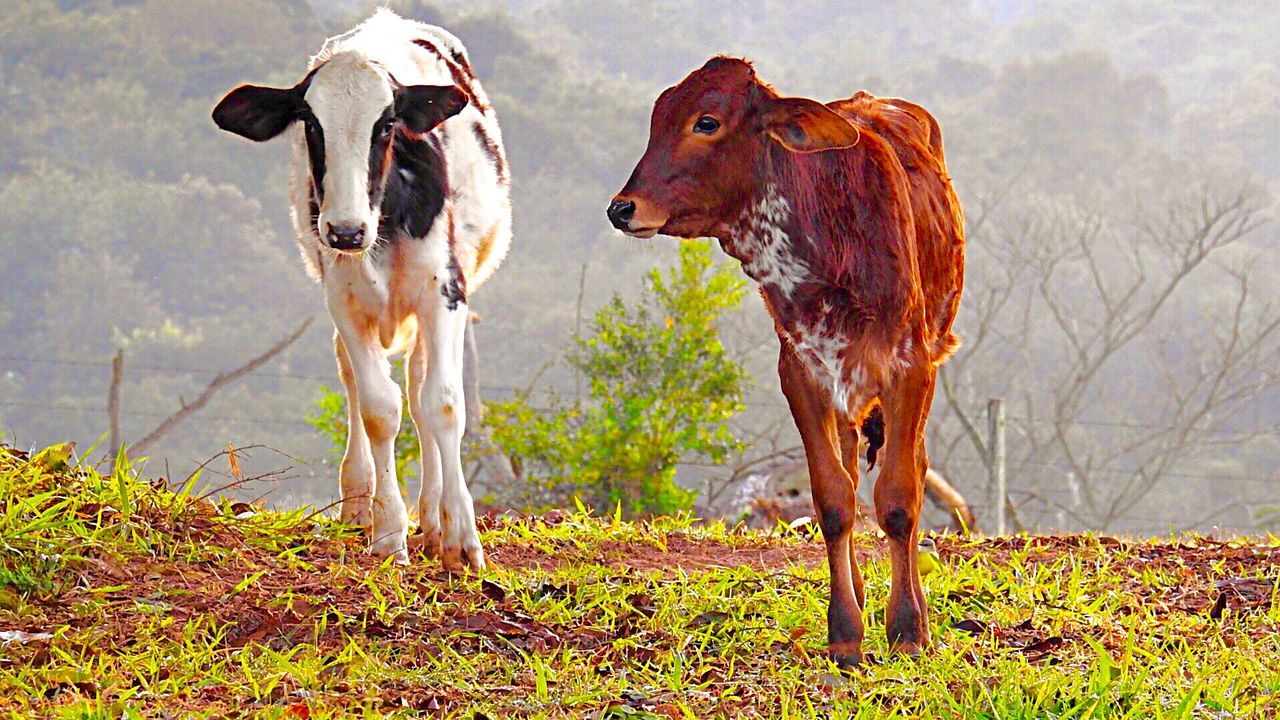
<point x="119" y="596"/>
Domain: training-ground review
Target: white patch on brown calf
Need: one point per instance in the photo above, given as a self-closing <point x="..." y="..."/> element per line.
<point x="762" y="239"/>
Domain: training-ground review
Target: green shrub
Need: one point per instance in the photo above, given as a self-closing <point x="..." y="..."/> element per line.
<point x="661" y="390"/>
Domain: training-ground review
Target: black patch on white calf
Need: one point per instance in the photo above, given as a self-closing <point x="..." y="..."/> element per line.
<point x="261" y="113"/>
<point x="379" y="152"/>
<point x="417" y="184"/>
<point x="491" y="149"/>
<point x="315" y="153"/>
<point x="461" y="59"/>
<point x="459" y="70"/>
<point x="454" y="287"/>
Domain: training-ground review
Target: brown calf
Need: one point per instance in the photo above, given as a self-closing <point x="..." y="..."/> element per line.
<point x="845" y="216"/>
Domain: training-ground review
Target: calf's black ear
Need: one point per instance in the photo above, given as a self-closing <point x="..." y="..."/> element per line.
<point x="258" y="113"/>
<point x="422" y="107"/>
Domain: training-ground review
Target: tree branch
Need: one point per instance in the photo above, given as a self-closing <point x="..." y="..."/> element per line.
<point x="218" y="383"/>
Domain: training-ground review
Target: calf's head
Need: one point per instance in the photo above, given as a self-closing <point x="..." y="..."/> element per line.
<point x="707" y="142"/>
<point x="351" y="110"/>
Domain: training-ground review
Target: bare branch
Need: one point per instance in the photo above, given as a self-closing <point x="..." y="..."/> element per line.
<point x="218" y="383"/>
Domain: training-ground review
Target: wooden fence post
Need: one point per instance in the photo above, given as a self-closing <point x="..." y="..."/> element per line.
<point x="995" y="461"/>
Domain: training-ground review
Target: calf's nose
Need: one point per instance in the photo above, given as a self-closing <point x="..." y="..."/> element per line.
<point x="621" y="212"/>
<point x="346" y="237"/>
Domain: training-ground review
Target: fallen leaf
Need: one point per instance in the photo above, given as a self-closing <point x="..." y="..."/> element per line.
<point x="642" y="603"/>
<point x="1219" y="605"/>
<point x="493" y="590"/>
<point x="494" y="625"/>
<point x="975" y="627"/>
<point x="115" y="572"/>
<point x="710" y="617"/>
<point x="429" y="704"/>
<point x="1251" y="589"/>
<point x="668" y="710"/>
<point x="234" y="462"/>
<point x="1041" y="647"/>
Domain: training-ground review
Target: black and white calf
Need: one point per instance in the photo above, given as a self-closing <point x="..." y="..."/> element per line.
<point x="401" y="208"/>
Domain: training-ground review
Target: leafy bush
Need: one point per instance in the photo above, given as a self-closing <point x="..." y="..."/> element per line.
<point x="661" y="390"/>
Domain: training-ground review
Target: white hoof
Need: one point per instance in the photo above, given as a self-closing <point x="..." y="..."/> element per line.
<point x="356" y="516"/>
<point x="460" y="559"/>
<point x="391" y="545"/>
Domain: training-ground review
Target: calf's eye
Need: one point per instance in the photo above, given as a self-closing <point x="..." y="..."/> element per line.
<point x="385" y="128"/>
<point x="706" y="125"/>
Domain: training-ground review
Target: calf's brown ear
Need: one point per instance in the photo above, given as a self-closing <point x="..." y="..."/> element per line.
<point x="806" y="126"/>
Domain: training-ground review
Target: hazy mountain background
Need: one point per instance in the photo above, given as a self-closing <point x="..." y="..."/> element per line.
<point x="1119" y="163"/>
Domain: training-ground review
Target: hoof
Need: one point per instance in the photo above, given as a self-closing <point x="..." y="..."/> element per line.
<point x="357" y="517"/>
<point x="912" y="650"/>
<point x="908" y="631"/>
<point x="846" y="655"/>
<point x="392" y="546"/>
<point x="847" y="661"/>
<point x="426" y="544"/>
<point x="399" y="558"/>
<point x="457" y="560"/>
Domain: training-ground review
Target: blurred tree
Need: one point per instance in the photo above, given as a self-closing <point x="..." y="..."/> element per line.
<point x="1079" y="317"/>
<point x="129" y="220"/>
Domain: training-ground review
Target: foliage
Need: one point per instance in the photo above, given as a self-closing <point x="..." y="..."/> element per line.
<point x="160" y="603"/>
<point x="661" y="389"/>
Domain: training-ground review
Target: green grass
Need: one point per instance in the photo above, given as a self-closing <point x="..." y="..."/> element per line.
<point x="139" y="601"/>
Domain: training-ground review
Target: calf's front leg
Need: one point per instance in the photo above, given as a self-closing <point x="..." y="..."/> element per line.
<point x="835" y="501"/>
<point x="445" y="413"/>
<point x="429" y="493"/>
<point x="379" y="405"/>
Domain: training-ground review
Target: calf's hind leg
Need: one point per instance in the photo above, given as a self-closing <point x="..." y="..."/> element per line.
<point x="834" y="500"/>
<point x="849" y="458"/>
<point x="899" y="494"/>
<point x="429" y="495"/>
